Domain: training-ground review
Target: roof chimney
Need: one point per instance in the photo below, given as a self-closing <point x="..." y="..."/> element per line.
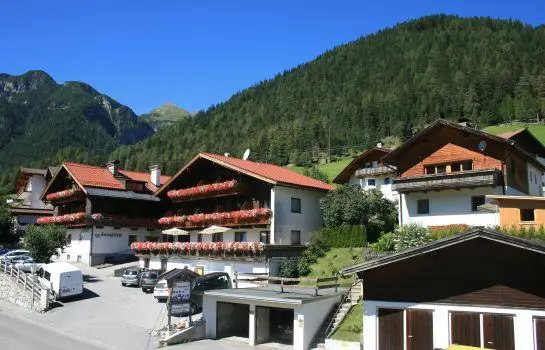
<point x="112" y="166"/>
<point x="155" y="175"/>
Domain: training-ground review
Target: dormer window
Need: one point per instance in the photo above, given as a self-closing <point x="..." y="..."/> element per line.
<point x="135" y="186"/>
<point x="448" y="168"/>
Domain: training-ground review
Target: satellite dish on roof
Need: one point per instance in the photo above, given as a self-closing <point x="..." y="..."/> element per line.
<point x="482" y="145"/>
<point x="246" y="154"/>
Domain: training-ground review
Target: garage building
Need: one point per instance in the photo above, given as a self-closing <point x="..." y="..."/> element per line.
<point x="267" y="316"/>
<point x="481" y="288"/>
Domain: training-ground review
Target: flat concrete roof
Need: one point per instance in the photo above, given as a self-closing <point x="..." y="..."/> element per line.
<point x="273" y="294"/>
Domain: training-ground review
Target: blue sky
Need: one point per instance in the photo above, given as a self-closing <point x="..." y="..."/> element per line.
<point x="198" y="53"/>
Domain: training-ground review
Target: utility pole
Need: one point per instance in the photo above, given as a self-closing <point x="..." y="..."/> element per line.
<point x="329" y="145"/>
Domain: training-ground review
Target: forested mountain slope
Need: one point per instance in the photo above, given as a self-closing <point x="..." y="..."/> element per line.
<point x="43" y="123"/>
<point x="390" y="83"/>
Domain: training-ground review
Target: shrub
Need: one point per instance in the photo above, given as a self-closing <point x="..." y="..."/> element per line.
<point x="386" y="243"/>
<point x="438" y="232"/>
<point x="410" y="235"/>
<point x="289" y="268"/>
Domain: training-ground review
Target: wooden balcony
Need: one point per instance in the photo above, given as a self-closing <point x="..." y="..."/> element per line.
<point x="378" y="170"/>
<point x="210" y="191"/>
<point x="258" y="216"/>
<point x="457" y="180"/>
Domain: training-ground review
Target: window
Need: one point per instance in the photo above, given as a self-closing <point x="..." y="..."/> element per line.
<point x="454" y="167"/>
<point x="430" y="170"/>
<point x="295" y="237"/>
<point x="168" y="238"/>
<point x="265" y="237"/>
<point x="441" y="169"/>
<point x="217" y="237"/>
<point x="241" y="237"/>
<point x="132" y="239"/>
<point x="527" y="215"/>
<point x="184" y="238"/>
<point x="387" y="181"/>
<point x="295" y="205"/>
<point x="467" y="165"/>
<point x="371" y="182"/>
<point x="423" y="206"/>
<point x="199" y="237"/>
<point x="476" y="201"/>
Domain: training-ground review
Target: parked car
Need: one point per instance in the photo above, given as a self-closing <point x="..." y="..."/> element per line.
<point x="131" y="276"/>
<point x="148" y="280"/>
<point x="160" y="292"/>
<point x="3" y="251"/>
<point x="17" y="259"/>
<point x="63" y="279"/>
<point x="26" y="265"/>
<point x="14" y="253"/>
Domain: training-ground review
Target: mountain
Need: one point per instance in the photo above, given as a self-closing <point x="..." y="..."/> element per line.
<point x="43" y="123"/>
<point x="164" y="116"/>
<point x="390" y="83"/>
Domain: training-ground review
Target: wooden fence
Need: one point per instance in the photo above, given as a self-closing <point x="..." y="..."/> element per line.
<point x="315" y="283"/>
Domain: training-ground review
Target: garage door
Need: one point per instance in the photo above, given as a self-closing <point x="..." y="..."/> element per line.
<point x="539" y="324"/>
<point x="498" y="330"/>
<point x="419" y="329"/>
<point x="232" y="320"/>
<point x="390" y="329"/>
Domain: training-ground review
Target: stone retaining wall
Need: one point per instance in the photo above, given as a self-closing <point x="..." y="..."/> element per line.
<point x="14" y="293"/>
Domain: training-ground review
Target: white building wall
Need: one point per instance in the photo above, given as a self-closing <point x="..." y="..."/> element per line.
<point x="523" y="322"/>
<point x="37" y="185"/>
<point x="448" y="207"/>
<point x="308" y="221"/>
<point x="308" y="318"/>
<point x="252" y="235"/>
<point x="535" y="181"/>
<point x="105" y="241"/>
<point x="380" y="183"/>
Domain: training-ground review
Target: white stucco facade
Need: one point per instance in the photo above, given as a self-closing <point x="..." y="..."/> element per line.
<point x="447" y="207"/>
<point x="92" y="245"/>
<point x="35" y="186"/>
<point x="382" y="182"/>
<point x="523" y="322"/>
<point x="284" y="220"/>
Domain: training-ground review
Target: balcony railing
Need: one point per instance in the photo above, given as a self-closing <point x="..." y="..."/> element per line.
<point x="81" y="219"/>
<point x="463" y="179"/>
<point x="220" y="189"/>
<point x="65" y="196"/>
<point x="379" y="170"/>
<point x="259" y="216"/>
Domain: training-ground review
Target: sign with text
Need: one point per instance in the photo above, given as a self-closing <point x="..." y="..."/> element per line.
<point x="180" y="292"/>
<point x="176" y="309"/>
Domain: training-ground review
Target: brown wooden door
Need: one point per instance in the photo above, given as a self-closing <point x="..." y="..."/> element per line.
<point x="499" y="332"/>
<point x="465" y="328"/>
<point x="390" y="329"/>
<point x="419" y="329"/>
<point x="540" y="333"/>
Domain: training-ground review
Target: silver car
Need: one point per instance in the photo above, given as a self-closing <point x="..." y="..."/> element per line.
<point x="131" y="277"/>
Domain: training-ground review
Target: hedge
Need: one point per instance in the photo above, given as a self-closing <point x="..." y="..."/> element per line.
<point x="344" y="236"/>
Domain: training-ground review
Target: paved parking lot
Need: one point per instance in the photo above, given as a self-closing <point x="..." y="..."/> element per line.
<point x="110" y="315"/>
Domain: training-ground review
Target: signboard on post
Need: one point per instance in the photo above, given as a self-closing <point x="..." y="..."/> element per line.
<point x="180" y="298"/>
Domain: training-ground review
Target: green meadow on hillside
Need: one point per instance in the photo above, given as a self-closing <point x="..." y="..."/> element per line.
<point x="536" y="129"/>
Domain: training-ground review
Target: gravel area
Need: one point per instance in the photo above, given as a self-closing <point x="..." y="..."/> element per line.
<point x="14" y="293"/>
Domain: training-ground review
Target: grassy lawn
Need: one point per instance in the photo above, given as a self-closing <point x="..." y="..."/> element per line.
<point x="351" y="327"/>
<point x="537" y="130"/>
<point x="333" y="261"/>
<point x="331" y="170"/>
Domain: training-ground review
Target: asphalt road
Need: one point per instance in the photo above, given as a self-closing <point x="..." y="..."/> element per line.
<point x="21" y="334"/>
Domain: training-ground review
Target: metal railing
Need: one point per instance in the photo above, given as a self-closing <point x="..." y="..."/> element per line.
<point x="317" y="283"/>
<point x="378" y="170"/>
<point x="29" y="282"/>
<point x="330" y="329"/>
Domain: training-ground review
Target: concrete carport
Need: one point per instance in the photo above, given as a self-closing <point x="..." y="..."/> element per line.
<point x="267" y="316"/>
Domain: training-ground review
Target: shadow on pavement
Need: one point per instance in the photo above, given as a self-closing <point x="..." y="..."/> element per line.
<point x="87" y="294"/>
<point x="91" y="279"/>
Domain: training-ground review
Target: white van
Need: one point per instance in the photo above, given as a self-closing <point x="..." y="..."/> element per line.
<point x="63" y="279"/>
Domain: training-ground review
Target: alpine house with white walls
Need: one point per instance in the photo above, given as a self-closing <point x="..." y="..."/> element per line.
<point x="105" y="209"/>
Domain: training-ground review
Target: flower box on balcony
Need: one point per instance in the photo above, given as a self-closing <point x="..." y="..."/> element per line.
<point x="252" y="216"/>
<point x="70" y="195"/>
<point x="203" y="249"/>
<point x="205" y="191"/>
<point x="74" y="218"/>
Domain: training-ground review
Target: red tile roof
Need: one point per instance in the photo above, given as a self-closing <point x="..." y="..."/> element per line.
<point x="92" y="176"/>
<point x="270" y="172"/>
